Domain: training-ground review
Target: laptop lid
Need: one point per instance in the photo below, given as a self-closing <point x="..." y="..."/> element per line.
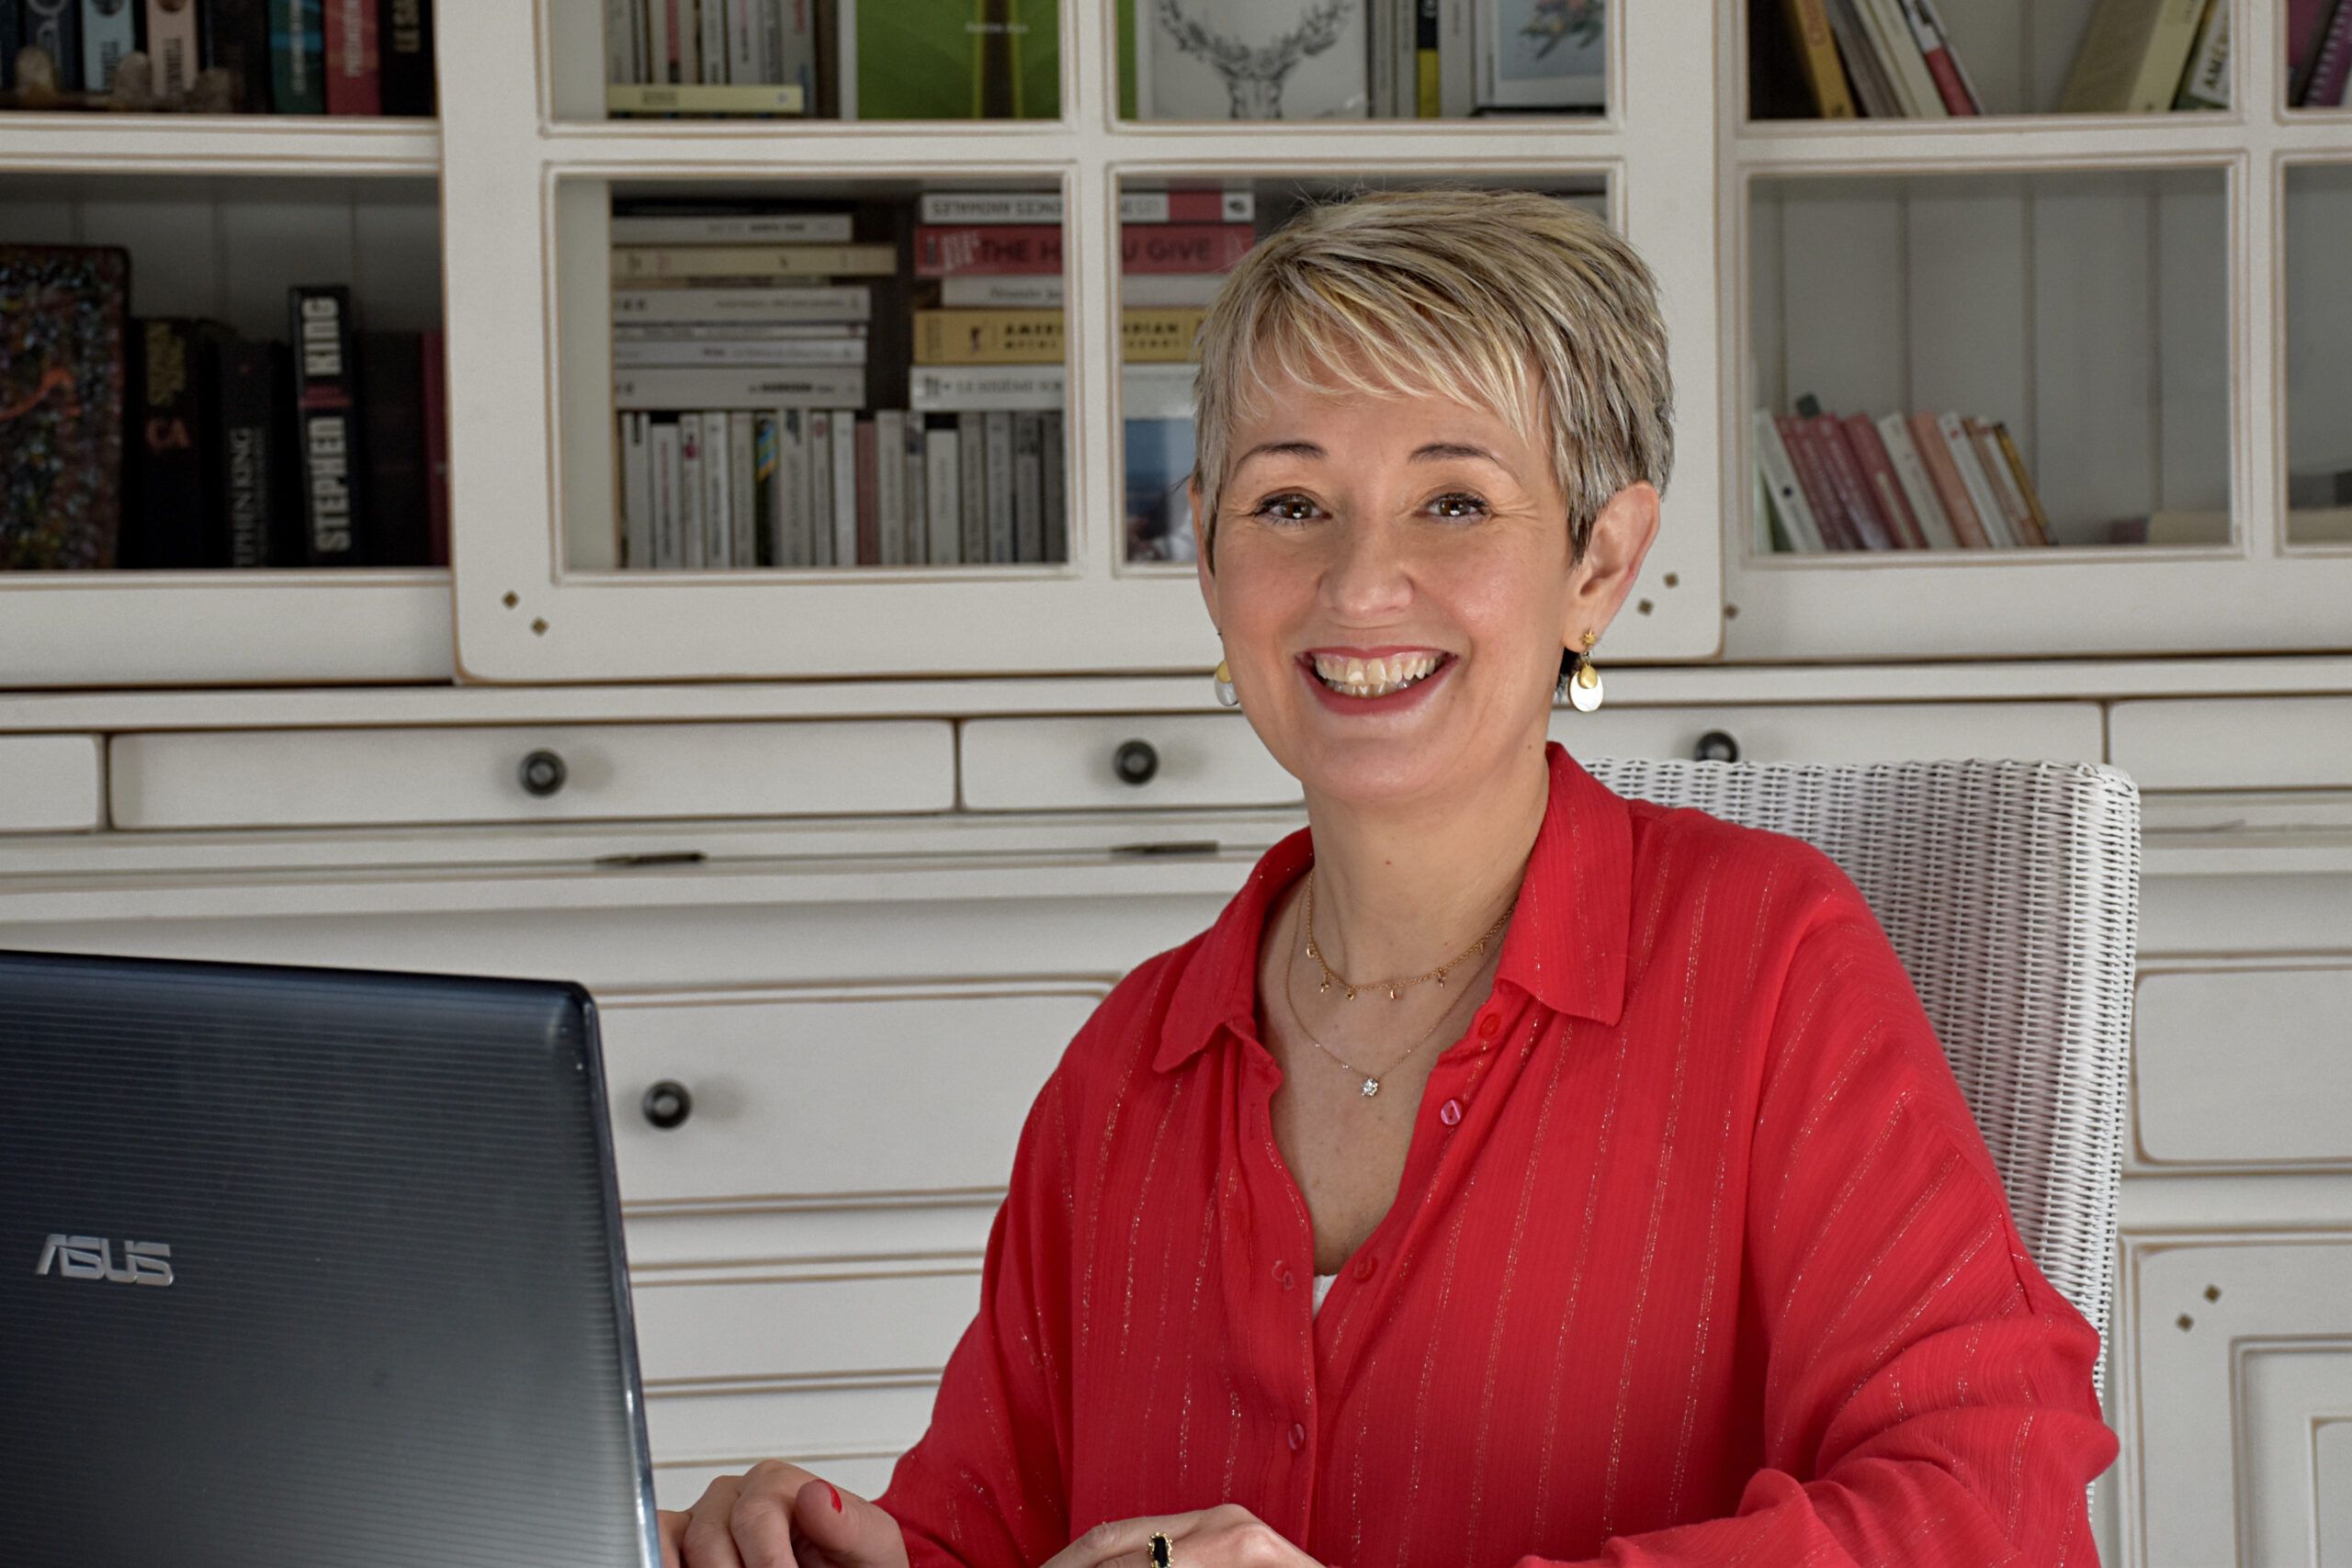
<point x="310" y="1266"/>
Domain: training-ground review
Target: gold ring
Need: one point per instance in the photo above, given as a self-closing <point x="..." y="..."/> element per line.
<point x="1161" y="1549"/>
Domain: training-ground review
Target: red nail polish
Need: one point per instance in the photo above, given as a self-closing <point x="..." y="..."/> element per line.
<point x="837" y="1496"/>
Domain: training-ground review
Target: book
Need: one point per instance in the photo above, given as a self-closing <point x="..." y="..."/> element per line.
<point x="1028" y="486"/>
<point x="1935" y="456"/>
<point x="972" y="503"/>
<point x="1816" y="51"/>
<point x="1878" y="471"/>
<point x="624" y="100"/>
<point x="168" y="521"/>
<point x="2015" y="521"/>
<point x="682" y="352"/>
<point x="1055" y="463"/>
<point x="943" y="490"/>
<point x="1990" y="519"/>
<point x="2205" y="84"/>
<point x="252" y="392"/>
<point x="669" y="549"/>
<point x="174" y="48"/>
<point x="702" y="264"/>
<point x="717" y="492"/>
<point x="392" y="430"/>
<point x="353" y="85"/>
<point x="326" y="400"/>
<point x="1864" y="524"/>
<point x="1814" y="479"/>
<point x="297" y="49"/>
<point x="636" y="492"/>
<point x="404" y="53"/>
<point x="110" y="31"/>
<point x="914" y="546"/>
<point x="996" y="431"/>
<point x="1786" y="496"/>
<point x="1199" y="204"/>
<point x="1943" y="36"/>
<point x="2038" y="530"/>
<point x="820" y="486"/>
<point x="889" y="487"/>
<point x="699" y="223"/>
<point x="739" y="387"/>
<point x="54" y="26"/>
<point x="742" y="479"/>
<point x="1227" y="60"/>
<point x="1918" y="490"/>
<point x="2307" y="24"/>
<point x="1183" y="247"/>
<point x="807" y="302"/>
<point x="1904" y="58"/>
<point x="1873" y="89"/>
<point x="693" y="538"/>
<point x="953" y="59"/>
<point x="1936" y="54"/>
<point x="2323" y="86"/>
<point x="1043" y="290"/>
<point x="845" y="489"/>
<point x="1034" y="337"/>
<point x="934" y="388"/>
<point x="2131" y="56"/>
<point x="793" y="502"/>
<point x="869" y="495"/>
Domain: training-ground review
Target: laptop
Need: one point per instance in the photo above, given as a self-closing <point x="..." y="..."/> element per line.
<point x="310" y="1265"/>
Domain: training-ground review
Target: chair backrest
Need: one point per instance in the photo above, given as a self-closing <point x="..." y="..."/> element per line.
<point x="2011" y="891"/>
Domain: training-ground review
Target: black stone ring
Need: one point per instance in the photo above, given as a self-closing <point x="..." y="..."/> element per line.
<point x="1160" y="1549"/>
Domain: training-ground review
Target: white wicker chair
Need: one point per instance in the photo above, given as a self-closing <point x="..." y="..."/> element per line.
<point x="2011" y="891"/>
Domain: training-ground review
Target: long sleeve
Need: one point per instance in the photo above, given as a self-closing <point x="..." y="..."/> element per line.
<point x="984" y="1486"/>
<point x="1927" y="1395"/>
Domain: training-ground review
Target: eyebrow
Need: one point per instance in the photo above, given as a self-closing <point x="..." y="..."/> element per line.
<point x="1432" y="452"/>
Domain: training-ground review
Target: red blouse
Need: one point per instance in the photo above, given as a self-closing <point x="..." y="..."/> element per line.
<point x="1698" y="1258"/>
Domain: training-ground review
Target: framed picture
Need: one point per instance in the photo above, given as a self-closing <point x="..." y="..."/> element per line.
<point x="1253" y="60"/>
<point x="1542" y="54"/>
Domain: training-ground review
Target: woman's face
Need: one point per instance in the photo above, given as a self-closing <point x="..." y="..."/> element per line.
<point x="1393" y="589"/>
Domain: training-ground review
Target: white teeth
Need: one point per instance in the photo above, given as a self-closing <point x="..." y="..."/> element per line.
<point x="1374" y="677"/>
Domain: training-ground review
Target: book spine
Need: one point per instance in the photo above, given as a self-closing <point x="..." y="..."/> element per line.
<point x="1028" y="486"/>
<point x="731" y="229"/>
<point x="1183" y="247"/>
<point x="1812" y="478"/>
<point x="634" y="264"/>
<point x="1959" y="66"/>
<point x="742" y="477"/>
<point x="1427" y="102"/>
<point x="943" y="491"/>
<point x="685" y="354"/>
<point x="636" y="492"/>
<point x="913" y="464"/>
<point x="2205" y="84"/>
<point x="1927" y="437"/>
<point x="173" y="52"/>
<point x="694" y="539"/>
<point x="1781" y="488"/>
<point x="717" y="492"/>
<point x="2307" y="23"/>
<point x="712" y="46"/>
<point x="667" y="99"/>
<point x="1824" y="74"/>
<point x="298" y="51"/>
<point x="1864" y="521"/>
<point x="1878" y="473"/>
<point x="1972" y="478"/>
<point x="326" y="403"/>
<point x="352" y="85"/>
<point x="392" y="435"/>
<point x="767" y="471"/>
<point x="2016" y="521"/>
<point x="997" y="430"/>
<point x="845" y="499"/>
<point x="1872" y="84"/>
<point x="434" y="353"/>
<point x="820" y="486"/>
<point x="2331" y="62"/>
<point x="948" y="251"/>
<point x="110" y="31"/>
<point x="1054" y="462"/>
<point x="745" y="42"/>
<point x="163" y="529"/>
<point x="236" y="38"/>
<point x="986" y="387"/>
<point x="1935" y="528"/>
<point x="889" y="487"/>
<point x="54" y="26"/>
<point x="2037" y="521"/>
<point x="250" y="452"/>
<point x="669" y="549"/>
<point x="622" y="61"/>
<point x="796" y="48"/>
<point x="971" y="445"/>
<point x="869" y="494"/>
<point x="791" y="545"/>
<point x="733" y="387"/>
<point x="819" y="302"/>
<point x="404" y="35"/>
<point x="1936" y="54"/>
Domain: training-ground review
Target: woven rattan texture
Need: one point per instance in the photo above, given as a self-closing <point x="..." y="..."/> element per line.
<point x="2011" y="891"/>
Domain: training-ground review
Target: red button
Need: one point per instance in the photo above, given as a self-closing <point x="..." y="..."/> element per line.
<point x="1450" y="1113"/>
<point x="1283" y="1275"/>
<point x="1490" y="1026"/>
<point x="1298" y="1437"/>
<point x="1365" y="1265"/>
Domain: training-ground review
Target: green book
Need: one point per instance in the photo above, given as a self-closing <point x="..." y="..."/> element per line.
<point x="958" y="60"/>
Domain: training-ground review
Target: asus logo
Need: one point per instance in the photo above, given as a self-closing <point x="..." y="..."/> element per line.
<point x="92" y="1258"/>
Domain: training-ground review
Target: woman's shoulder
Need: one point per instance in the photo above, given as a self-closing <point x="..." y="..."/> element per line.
<point x="1685" y="853"/>
<point x="1120" y="1039"/>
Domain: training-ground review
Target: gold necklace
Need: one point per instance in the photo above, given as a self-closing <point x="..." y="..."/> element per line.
<point x="1371" y="1083"/>
<point x="1396" y="987"/>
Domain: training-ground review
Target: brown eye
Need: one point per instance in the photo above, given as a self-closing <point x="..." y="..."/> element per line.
<point x="1459" y="505"/>
<point x="1288" y="508"/>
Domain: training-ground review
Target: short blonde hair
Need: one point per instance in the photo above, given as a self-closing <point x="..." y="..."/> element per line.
<point x="1510" y="300"/>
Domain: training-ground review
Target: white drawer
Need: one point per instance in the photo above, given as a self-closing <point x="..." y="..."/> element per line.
<point x="1843" y="732"/>
<point x="2234" y="742"/>
<point x="2242" y="1064"/>
<point x="851" y="1433"/>
<point x="1049" y="764"/>
<point x="803" y="1321"/>
<point x="337" y="777"/>
<point x="51" y="783"/>
<point x="797" y="1096"/>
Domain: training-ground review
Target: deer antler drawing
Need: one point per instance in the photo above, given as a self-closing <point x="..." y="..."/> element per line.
<point x="1253" y="75"/>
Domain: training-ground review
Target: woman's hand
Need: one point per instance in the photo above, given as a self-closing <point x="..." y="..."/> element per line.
<point x="1227" y="1535"/>
<point x="779" y="1516"/>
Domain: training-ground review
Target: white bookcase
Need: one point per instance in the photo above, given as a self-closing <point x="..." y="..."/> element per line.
<point x="807" y="807"/>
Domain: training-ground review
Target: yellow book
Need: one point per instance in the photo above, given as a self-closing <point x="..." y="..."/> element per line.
<point x="1153" y="335"/>
<point x="1824" y="75"/>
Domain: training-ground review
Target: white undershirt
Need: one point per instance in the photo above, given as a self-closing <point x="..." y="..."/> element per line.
<point x="1322" y="1284"/>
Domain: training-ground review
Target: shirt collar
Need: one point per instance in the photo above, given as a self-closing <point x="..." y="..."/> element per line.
<point x="1566" y="945"/>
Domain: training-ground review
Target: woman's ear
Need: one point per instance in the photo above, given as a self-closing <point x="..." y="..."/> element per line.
<point x="1201" y="568"/>
<point x="1622" y="534"/>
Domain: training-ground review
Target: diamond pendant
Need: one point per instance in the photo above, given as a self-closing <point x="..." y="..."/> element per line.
<point x="1371" y="1088"/>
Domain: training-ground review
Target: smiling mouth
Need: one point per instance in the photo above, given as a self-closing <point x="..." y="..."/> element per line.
<point x="1353" y="677"/>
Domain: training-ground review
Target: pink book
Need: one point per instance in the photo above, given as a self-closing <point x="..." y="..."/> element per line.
<point x="436" y="449"/>
<point x="2332" y="63"/>
<point x="1878" y="467"/>
<point x="355" y="81"/>
<point x="1828" y="511"/>
<point x="1943" y="66"/>
<point x="1928" y="437"/>
<point x="1854" y="490"/>
<point x="869" y="496"/>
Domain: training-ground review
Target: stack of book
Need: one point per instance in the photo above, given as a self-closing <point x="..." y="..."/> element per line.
<point x="171" y="442"/>
<point x="2319" y="52"/>
<point x="353" y="57"/>
<point x="1918" y="481"/>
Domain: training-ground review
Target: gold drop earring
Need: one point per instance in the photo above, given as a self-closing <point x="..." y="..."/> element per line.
<point x="1221" y="679"/>
<point x="1584" y="686"/>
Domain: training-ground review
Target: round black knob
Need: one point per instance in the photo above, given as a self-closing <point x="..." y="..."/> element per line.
<point x="1136" y="762"/>
<point x="667" y="1103"/>
<point x="542" y="773"/>
<point x="1716" y="746"/>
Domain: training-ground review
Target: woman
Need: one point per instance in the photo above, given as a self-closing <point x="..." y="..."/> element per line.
<point x="1654" y="1226"/>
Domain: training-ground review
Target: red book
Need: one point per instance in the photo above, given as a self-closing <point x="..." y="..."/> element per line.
<point x="1926" y="32"/>
<point x="869" y="510"/>
<point x="1183" y="247"/>
<point x="1828" y="513"/>
<point x="1944" y="473"/>
<point x="355" y="83"/>
<point x="1846" y="476"/>
<point x="437" y="449"/>
<point x="943" y="250"/>
<point x="1878" y="469"/>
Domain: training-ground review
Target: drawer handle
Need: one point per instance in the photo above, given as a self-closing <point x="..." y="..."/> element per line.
<point x="667" y="1104"/>
<point x="1136" y="762"/>
<point x="542" y="773"/>
<point x="1716" y="746"/>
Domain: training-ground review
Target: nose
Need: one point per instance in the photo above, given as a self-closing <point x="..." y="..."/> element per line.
<point x="1367" y="577"/>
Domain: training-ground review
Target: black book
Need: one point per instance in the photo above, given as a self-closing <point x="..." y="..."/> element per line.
<point x="404" y="53"/>
<point x="890" y="333"/>
<point x="259" y="505"/>
<point x="9" y="35"/>
<point x="55" y="26"/>
<point x="326" y="413"/>
<point x="170" y="523"/>
<point x="399" y="512"/>
<point x="234" y="37"/>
